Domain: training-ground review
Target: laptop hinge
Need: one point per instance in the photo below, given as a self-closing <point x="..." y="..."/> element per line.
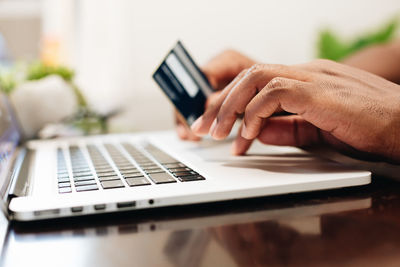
<point x="20" y="175"/>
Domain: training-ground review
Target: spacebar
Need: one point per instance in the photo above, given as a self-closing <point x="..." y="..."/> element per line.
<point x="161" y="178"/>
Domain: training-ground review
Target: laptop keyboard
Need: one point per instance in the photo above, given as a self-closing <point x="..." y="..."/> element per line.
<point x="109" y="166"/>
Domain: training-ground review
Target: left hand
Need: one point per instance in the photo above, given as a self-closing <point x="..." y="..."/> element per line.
<point x="219" y="71"/>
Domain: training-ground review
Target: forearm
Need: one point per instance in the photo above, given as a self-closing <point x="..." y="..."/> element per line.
<point x="382" y="60"/>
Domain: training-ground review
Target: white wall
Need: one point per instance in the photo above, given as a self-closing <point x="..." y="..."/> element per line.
<point x="119" y="43"/>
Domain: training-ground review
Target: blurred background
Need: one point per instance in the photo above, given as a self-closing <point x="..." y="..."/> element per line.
<point x="114" y="46"/>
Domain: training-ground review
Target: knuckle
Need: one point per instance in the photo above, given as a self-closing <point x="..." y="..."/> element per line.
<point x="226" y="117"/>
<point x="324" y="66"/>
<point x="242" y="73"/>
<point x="277" y="92"/>
<point x="321" y="62"/>
<point x="249" y="112"/>
<point x="256" y="68"/>
<point x="229" y="52"/>
<point x="276" y="82"/>
<point x="210" y="111"/>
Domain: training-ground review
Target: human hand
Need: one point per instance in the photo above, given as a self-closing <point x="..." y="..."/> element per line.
<point x="335" y="104"/>
<point x="219" y="71"/>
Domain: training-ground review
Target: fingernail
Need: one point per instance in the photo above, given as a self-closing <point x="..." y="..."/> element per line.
<point x="243" y="133"/>
<point x="234" y="148"/>
<point x="196" y="124"/>
<point x="181" y="131"/>
<point x="213" y="128"/>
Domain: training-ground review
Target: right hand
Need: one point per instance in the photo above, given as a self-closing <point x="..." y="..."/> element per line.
<point x="220" y="71"/>
<point x="349" y="109"/>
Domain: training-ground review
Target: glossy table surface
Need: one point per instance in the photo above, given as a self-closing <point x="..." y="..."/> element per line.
<point x="347" y="227"/>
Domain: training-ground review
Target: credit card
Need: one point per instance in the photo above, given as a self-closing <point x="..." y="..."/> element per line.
<point x="183" y="83"/>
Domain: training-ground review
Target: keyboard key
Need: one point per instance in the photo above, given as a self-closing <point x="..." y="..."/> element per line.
<point x="131" y="170"/>
<point x="186" y="173"/>
<point x="155" y="171"/>
<point x="101" y="165"/>
<point x="87" y="182"/>
<point x="112" y="184"/>
<point x="79" y="166"/>
<point x="66" y="184"/>
<point x="81" y="174"/>
<point x="63" y="176"/>
<point x="99" y="161"/>
<point x="174" y="165"/>
<point x="117" y="157"/>
<point x="64" y="190"/>
<point x="166" y="160"/>
<point x="191" y="178"/>
<point x="124" y="165"/>
<point x="151" y="167"/>
<point x="181" y="169"/>
<point x="78" y="172"/>
<point x="133" y="175"/>
<point x="109" y="178"/>
<point x="137" y="181"/>
<point x="84" y="178"/>
<point x="63" y="180"/>
<point x="161" y="178"/>
<point x="105" y="174"/>
<point x="86" y="188"/>
<point x="147" y="163"/>
<point x="105" y="169"/>
<point x="128" y="168"/>
<point x="81" y="170"/>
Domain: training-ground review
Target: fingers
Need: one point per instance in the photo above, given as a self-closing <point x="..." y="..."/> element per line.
<point x="223" y="68"/>
<point x="291" y="95"/>
<point x="240" y="145"/>
<point x="202" y="125"/>
<point x="213" y="98"/>
<point x="183" y="130"/>
<point x="223" y="115"/>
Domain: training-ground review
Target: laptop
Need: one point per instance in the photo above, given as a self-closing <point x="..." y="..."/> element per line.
<point x="43" y="179"/>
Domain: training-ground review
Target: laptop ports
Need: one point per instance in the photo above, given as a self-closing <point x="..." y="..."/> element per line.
<point x="46" y="212"/>
<point x="77" y="209"/>
<point x="128" y="204"/>
<point x="100" y="207"/>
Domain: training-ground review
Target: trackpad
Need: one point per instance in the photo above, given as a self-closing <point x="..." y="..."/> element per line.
<point x="278" y="159"/>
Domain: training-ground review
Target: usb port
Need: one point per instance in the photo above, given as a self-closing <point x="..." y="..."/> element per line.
<point x="100" y="207"/>
<point x="128" y="204"/>
<point x="77" y="209"/>
<point x="46" y="212"/>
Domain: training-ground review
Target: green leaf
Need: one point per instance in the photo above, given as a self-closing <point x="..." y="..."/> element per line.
<point x="38" y="71"/>
<point x="331" y="46"/>
<point x="7" y="82"/>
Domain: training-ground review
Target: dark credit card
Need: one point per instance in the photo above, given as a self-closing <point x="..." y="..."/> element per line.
<point x="183" y="82"/>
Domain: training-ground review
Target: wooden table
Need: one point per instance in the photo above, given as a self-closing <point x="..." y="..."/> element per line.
<point x="348" y="227"/>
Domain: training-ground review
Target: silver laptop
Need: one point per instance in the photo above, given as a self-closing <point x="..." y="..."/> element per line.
<point x="87" y="175"/>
